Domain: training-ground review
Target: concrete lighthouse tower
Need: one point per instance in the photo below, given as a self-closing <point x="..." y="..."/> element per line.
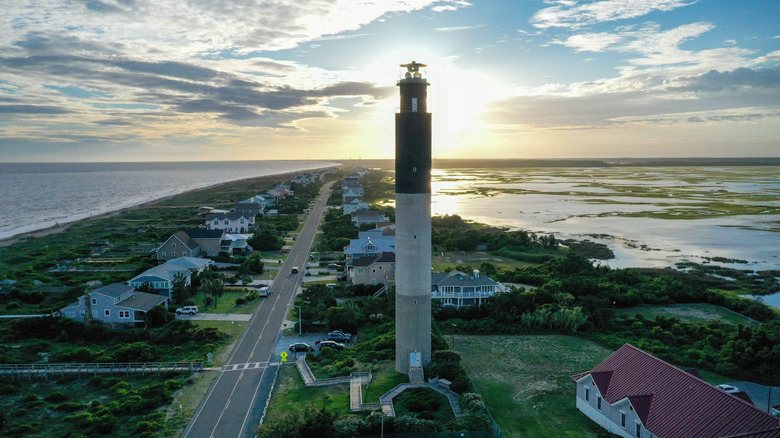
<point x="413" y="224"/>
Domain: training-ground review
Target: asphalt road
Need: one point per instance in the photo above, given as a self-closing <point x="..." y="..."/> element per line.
<point x="236" y="401"/>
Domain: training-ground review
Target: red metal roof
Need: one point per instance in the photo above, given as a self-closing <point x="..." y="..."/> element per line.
<point x="675" y="404"/>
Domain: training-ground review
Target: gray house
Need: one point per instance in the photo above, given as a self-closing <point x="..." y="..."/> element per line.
<point x="457" y="289"/>
<point x="180" y="244"/>
<point x="116" y="304"/>
<point x="161" y="277"/>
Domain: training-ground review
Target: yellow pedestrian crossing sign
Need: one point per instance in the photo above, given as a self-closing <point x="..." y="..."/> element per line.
<point x="284" y="356"/>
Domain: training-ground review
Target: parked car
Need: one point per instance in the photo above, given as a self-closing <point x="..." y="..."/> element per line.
<point x="264" y="292"/>
<point x="338" y="338"/>
<point x="189" y="310"/>
<point x="728" y="388"/>
<point x="295" y="270"/>
<point x="332" y="344"/>
<point x="301" y="346"/>
<point x="342" y="333"/>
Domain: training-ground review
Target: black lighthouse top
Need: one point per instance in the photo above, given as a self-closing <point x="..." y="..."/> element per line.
<point x="413" y="134"/>
<point x="414" y="95"/>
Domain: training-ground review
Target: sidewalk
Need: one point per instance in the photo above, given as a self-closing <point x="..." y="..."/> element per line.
<point x="217" y="317"/>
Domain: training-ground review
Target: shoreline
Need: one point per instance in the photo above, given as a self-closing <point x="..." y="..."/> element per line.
<point x="55" y="229"/>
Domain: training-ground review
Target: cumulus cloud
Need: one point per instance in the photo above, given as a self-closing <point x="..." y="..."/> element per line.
<point x="575" y="14"/>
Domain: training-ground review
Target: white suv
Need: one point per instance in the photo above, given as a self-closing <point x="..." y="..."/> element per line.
<point x="191" y="310"/>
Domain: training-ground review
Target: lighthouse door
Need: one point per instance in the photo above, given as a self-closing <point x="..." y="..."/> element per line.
<point x="415" y="359"/>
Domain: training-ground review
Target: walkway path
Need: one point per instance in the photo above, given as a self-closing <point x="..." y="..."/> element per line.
<point x="387" y="399"/>
<point x="216" y="317"/>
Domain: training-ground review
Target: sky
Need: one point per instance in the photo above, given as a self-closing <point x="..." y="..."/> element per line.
<point x="191" y="80"/>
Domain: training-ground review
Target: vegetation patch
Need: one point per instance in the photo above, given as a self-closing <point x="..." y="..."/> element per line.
<point x="423" y="403"/>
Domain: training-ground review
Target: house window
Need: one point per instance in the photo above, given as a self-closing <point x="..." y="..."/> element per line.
<point x="638" y="430"/>
<point x="163" y="254"/>
<point x="174" y="244"/>
<point x="173" y="253"/>
<point x="184" y="253"/>
<point x="242" y="220"/>
<point x="587" y="394"/>
<point x="370" y="247"/>
<point x="124" y="314"/>
<point x="360" y="270"/>
<point x="94" y="301"/>
<point x="107" y="312"/>
<point x="622" y="420"/>
<point x="226" y="221"/>
<point x="598" y="403"/>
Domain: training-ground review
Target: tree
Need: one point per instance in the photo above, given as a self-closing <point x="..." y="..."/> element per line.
<point x="214" y="287"/>
<point x="157" y="316"/>
<point x="251" y="265"/>
<point x="179" y="289"/>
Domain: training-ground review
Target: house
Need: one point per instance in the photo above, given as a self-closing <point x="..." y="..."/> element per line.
<point x="280" y="191"/>
<point x="301" y="179"/>
<point x="372" y="269"/>
<point x="209" y="240"/>
<point x="161" y="277"/>
<point x="235" y="243"/>
<point x="264" y="199"/>
<point x="457" y="289"/>
<point x="116" y="304"/>
<point x="362" y="217"/>
<point x="180" y="244"/>
<point x="237" y="222"/>
<point x="249" y="209"/>
<point x="353" y="192"/>
<point x="353" y="205"/>
<point x="636" y="395"/>
<point x="369" y="243"/>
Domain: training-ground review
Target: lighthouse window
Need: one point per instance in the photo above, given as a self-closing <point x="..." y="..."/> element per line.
<point x="414" y="169"/>
<point x="414" y="104"/>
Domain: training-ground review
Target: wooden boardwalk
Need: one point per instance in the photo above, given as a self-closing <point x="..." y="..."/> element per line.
<point x="60" y="369"/>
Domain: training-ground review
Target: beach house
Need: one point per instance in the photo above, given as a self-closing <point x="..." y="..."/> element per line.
<point x="160" y="278"/>
<point x="633" y="394"/>
<point x="458" y="289"/>
<point x="115" y="304"/>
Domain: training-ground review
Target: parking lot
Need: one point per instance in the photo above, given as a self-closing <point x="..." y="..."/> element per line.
<point x="284" y="342"/>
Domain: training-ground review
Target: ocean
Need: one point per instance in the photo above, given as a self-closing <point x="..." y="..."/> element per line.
<point x="34" y="196"/>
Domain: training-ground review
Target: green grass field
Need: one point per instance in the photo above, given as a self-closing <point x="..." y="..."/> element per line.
<point x="473" y="259"/>
<point x="697" y="312"/>
<point x="290" y="392"/>
<point x="525" y="381"/>
<point x="227" y="304"/>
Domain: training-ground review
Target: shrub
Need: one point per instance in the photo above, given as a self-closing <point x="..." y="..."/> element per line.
<point x="56" y="397"/>
<point x="69" y="407"/>
<point x="8" y="389"/>
<point x="240" y="301"/>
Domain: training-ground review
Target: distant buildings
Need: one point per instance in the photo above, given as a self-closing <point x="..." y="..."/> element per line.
<point x="636" y="395"/>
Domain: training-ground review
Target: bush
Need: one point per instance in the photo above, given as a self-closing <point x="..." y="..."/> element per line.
<point x="56" y="397"/>
<point x="69" y="407"/>
<point x="240" y="301"/>
<point x="8" y="389"/>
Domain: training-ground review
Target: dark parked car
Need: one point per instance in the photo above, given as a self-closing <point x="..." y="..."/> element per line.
<point x="339" y="332"/>
<point x="338" y="337"/>
<point x="332" y="344"/>
<point x="301" y="346"/>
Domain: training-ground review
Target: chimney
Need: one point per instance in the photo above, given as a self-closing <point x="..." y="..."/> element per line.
<point x="476" y="273"/>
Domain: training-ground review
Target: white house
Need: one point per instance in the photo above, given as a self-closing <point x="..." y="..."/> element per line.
<point x="371" y="242"/>
<point x="231" y="222"/>
<point x="457" y="289"/>
<point x="633" y="394"/>
<point x="116" y="304"/>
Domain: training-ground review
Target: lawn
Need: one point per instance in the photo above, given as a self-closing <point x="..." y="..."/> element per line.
<point x="525" y="381"/>
<point x="290" y="392"/>
<point x="227" y="304"/>
<point x="384" y="379"/>
<point x="472" y="258"/>
<point x="689" y="313"/>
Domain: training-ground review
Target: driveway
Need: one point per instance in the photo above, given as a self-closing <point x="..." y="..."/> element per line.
<point x="217" y="317"/>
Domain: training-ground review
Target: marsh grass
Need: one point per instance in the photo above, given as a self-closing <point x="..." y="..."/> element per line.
<point x="688" y="313"/>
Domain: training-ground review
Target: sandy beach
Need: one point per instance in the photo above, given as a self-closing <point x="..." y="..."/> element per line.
<point x="64" y="226"/>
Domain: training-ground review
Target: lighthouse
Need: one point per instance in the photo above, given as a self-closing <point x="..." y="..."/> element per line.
<point x="413" y="224"/>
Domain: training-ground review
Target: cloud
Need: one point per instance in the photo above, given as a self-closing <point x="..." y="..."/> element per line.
<point x="32" y="109"/>
<point x="457" y="28"/>
<point x="601" y="104"/>
<point x="573" y="14"/>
